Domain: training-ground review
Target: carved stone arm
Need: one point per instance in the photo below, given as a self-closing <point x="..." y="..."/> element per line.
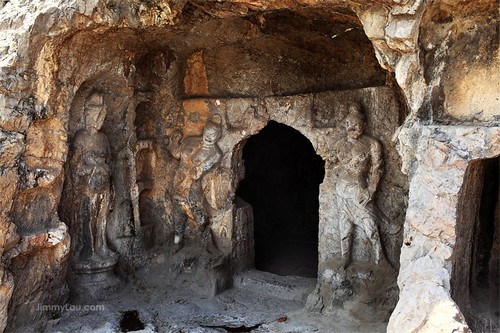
<point x="376" y="167"/>
<point x="175" y="144"/>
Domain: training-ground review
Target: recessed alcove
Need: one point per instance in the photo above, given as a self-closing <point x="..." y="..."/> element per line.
<point x="289" y="65"/>
<point x="475" y="279"/>
<point x="282" y="177"/>
<point x="166" y="67"/>
<point x="280" y="83"/>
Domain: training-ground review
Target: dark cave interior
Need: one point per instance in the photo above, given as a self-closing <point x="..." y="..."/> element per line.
<point x="282" y="179"/>
<point x="475" y="279"/>
<point x="484" y="280"/>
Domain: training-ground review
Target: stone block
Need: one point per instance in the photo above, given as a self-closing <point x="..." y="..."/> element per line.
<point x="200" y="272"/>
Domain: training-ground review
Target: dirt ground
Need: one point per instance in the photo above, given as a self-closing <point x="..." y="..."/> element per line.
<point x="259" y="302"/>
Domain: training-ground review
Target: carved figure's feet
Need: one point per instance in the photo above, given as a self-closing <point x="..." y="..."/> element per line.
<point x="106" y="253"/>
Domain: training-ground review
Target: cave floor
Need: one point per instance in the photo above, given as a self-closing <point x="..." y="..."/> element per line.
<point x="288" y="257"/>
<point x="259" y="302"/>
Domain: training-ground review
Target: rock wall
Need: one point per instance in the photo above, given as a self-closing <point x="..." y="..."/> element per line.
<point x="319" y="118"/>
<point x="442" y="156"/>
<point x="148" y="57"/>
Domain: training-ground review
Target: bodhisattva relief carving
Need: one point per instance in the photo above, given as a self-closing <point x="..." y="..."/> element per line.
<point x="90" y="177"/>
<point x="358" y="166"/>
<point x="197" y="155"/>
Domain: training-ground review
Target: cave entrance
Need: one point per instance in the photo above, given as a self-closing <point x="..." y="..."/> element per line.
<point x="282" y="177"/>
<point x="475" y="280"/>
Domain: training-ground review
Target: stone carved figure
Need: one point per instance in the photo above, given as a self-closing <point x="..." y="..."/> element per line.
<point x="197" y="155"/>
<point x="357" y="160"/>
<point x="90" y="167"/>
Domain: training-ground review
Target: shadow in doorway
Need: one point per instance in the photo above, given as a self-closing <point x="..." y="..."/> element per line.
<point x="282" y="177"/>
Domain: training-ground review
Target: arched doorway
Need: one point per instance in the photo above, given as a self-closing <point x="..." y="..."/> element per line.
<point x="282" y="177"/>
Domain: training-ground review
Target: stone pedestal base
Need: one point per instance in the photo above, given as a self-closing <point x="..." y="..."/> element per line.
<point x="92" y="281"/>
<point x="192" y="269"/>
<point x="204" y="273"/>
<point x="364" y="290"/>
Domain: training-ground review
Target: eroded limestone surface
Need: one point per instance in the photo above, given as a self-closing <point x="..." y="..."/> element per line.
<point x="259" y="302"/>
<point x="425" y="74"/>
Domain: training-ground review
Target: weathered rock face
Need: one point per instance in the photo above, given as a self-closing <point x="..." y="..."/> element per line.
<point x="476" y="248"/>
<point x="459" y="46"/>
<point x="164" y="66"/>
<point x="431" y="251"/>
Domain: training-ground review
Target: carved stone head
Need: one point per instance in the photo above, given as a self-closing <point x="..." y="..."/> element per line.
<point x="355" y="121"/>
<point x="211" y="133"/>
<point x="95" y="111"/>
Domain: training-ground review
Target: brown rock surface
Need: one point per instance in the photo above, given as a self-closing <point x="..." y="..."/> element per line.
<point x="426" y="72"/>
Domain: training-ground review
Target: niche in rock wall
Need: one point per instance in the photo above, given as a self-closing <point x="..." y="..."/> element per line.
<point x="282" y="177"/>
<point x="279" y="53"/>
<point x="96" y="200"/>
<point x="151" y="69"/>
<point x="145" y="162"/>
<point x="475" y="279"/>
<point x="112" y="143"/>
<point x="147" y="217"/>
<point x="144" y="122"/>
